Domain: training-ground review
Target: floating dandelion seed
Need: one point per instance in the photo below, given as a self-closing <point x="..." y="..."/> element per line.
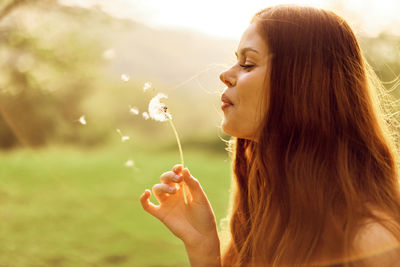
<point x="145" y="115"/>
<point x="125" y="77"/>
<point x="123" y="137"/>
<point x="147" y="86"/>
<point x="159" y="112"/>
<point x="109" y="54"/>
<point x="82" y="120"/>
<point x="134" y="110"/>
<point x="129" y="163"/>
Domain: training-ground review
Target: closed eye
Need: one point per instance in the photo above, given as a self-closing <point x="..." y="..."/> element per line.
<point x="246" y="66"/>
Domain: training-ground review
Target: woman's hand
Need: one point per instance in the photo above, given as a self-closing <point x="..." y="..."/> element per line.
<point x="194" y="223"/>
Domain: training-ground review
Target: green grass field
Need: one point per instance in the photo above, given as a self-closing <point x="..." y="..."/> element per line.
<point x="70" y="207"/>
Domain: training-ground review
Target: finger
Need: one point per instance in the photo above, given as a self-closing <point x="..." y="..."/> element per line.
<point x="160" y="191"/>
<point x="147" y="205"/>
<point x="177" y="169"/>
<point x="170" y="178"/>
<point x="194" y="186"/>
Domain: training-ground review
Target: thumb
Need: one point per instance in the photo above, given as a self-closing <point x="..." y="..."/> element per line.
<point x="147" y="205"/>
<point x="194" y="186"/>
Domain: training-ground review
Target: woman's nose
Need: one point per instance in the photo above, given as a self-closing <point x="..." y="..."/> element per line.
<point x="226" y="79"/>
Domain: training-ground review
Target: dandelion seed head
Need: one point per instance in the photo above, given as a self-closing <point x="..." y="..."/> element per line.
<point x="82" y="120"/>
<point x="134" y="110"/>
<point x="147" y="86"/>
<point x="158" y="111"/>
<point x="145" y="115"/>
<point x="125" y="77"/>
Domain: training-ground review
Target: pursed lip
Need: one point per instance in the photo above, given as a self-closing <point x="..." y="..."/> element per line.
<point x="226" y="100"/>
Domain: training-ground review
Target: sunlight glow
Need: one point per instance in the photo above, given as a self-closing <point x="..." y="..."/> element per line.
<point x="229" y="18"/>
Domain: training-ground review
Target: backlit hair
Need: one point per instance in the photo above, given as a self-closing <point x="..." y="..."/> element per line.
<point x="323" y="163"/>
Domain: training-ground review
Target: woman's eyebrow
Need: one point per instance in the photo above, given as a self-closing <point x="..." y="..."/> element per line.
<point x="244" y="50"/>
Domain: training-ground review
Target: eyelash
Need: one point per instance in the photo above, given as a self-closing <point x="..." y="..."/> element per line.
<point x="246" y="66"/>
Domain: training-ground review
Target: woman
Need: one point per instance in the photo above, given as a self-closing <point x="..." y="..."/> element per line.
<point x="315" y="176"/>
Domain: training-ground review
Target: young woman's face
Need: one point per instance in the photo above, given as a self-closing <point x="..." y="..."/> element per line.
<point x="242" y="100"/>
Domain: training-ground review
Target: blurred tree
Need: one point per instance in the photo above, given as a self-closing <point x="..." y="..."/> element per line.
<point x="47" y="69"/>
<point x="58" y="63"/>
<point x="8" y="6"/>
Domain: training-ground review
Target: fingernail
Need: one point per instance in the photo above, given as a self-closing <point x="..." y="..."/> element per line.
<point x="176" y="178"/>
<point x="171" y="189"/>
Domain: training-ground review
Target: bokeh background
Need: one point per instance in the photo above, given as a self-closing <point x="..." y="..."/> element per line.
<point x="71" y="71"/>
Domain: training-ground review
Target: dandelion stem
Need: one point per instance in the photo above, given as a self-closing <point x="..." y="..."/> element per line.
<point x="181" y="154"/>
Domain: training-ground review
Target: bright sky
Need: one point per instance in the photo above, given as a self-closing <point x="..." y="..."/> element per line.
<point x="229" y="18"/>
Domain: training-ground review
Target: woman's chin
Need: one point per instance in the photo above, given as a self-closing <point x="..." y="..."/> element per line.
<point x="225" y="127"/>
<point x="238" y="134"/>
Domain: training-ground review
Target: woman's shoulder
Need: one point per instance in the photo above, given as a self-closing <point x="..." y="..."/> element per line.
<point x="377" y="246"/>
<point x="374" y="234"/>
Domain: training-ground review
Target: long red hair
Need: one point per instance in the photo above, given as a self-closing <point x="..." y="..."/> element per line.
<point x="322" y="162"/>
